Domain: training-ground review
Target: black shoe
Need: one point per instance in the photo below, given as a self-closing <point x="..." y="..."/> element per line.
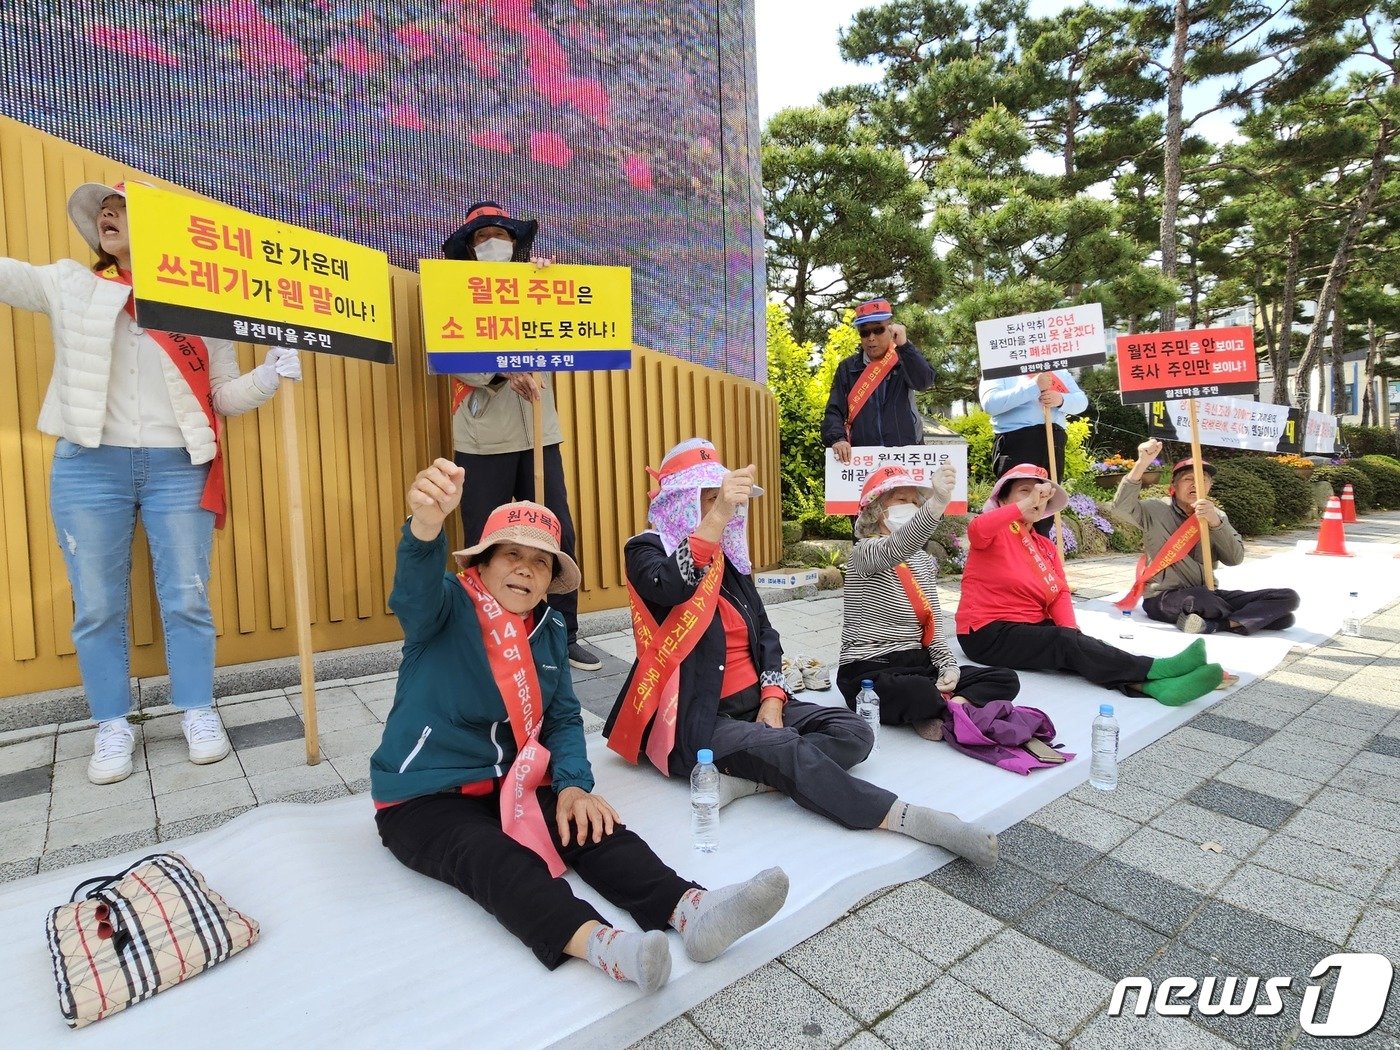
<point x="584" y="658"/>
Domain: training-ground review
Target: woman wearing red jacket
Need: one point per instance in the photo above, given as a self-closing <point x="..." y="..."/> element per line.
<point x="1015" y="609"/>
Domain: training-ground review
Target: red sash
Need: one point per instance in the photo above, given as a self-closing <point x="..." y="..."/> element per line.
<point x="660" y="651"/>
<point x="1057" y="384"/>
<point x="1179" y="544"/>
<point x="1044" y="569"/>
<point x="513" y="668"/>
<point x="923" y="608"/>
<point x="866" y="385"/>
<point x="460" y="392"/>
<point x="191" y="357"/>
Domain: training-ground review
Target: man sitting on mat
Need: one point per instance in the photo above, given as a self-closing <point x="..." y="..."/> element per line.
<point x="709" y="669"/>
<point x="482" y="779"/>
<point x="891" y="633"/>
<point x="1172" y="574"/>
<point x="1015" y="608"/>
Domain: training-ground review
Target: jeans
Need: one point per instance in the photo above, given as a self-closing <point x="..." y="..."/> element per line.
<point x="95" y="494"/>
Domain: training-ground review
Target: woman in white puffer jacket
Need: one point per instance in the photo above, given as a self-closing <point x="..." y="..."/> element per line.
<point x="136" y="417"/>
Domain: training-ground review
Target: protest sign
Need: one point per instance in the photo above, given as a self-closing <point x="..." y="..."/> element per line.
<point x="1172" y="366"/>
<point x="203" y="268"/>
<point x="1041" y="342"/>
<point x="1225" y="422"/>
<point x="844" y="480"/>
<point x="516" y="317"/>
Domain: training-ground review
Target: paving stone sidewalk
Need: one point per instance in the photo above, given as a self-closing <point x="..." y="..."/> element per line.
<point x="1293" y="778"/>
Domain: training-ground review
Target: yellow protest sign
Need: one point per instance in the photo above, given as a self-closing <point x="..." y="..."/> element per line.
<point x="513" y="317"/>
<point x="207" y="269"/>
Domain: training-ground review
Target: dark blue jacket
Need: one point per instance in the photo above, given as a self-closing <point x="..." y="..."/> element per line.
<point x="889" y="418"/>
<point x="449" y="725"/>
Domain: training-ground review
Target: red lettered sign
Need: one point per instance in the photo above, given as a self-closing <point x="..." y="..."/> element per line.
<point x="1172" y="366"/>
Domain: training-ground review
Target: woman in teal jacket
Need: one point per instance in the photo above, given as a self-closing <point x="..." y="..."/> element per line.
<point x="482" y="778"/>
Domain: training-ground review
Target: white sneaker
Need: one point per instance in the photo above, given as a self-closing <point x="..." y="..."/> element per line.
<point x="111" y="752"/>
<point x="205" y="735"/>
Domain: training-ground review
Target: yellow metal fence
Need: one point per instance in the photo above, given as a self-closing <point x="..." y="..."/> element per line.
<point x="365" y="430"/>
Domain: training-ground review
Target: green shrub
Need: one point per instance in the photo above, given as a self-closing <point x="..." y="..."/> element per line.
<point x="1384" y="473"/>
<point x="1247" y="499"/>
<point x="1362" y="488"/>
<point x="1292" y="496"/>
<point x="811" y="555"/>
<point x="1116" y="427"/>
<point x="792" y="532"/>
<point x="976" y="428"/>
<point x="950" y="537"/>
<point x="1368" y="441"/>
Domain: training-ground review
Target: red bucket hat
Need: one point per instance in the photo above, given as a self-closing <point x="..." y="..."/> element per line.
<point x="529" y="525"/>
<point x="489" y="213"/>
<point x="1188" y="463"/>
<point x="1058" y="501"/>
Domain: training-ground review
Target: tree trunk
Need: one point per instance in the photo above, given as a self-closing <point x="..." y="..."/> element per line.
<point x="1286" y="310"/>
<point x="1369" y="416"/>
<point x="1380" y="167"/>
<point x="1171" y="153"/>
<point x="1339" y="345"/>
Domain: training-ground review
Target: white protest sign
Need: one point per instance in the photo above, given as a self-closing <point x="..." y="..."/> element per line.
<point x="1041" y="342"/>
<point x="1320" y="435"/>
<point x="1225" y="422"/>
<point x="844" y="480"/>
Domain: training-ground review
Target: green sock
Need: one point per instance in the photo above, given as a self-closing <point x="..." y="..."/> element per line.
<point x="1190" y="658"/>
<point x="1184" y="688"/>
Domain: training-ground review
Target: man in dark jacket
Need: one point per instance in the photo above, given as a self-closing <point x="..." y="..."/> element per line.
<point x="872" y="394"/>
<point x="709" y="669"/>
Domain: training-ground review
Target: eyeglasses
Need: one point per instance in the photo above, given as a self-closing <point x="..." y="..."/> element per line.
<point x="874" y="329"/>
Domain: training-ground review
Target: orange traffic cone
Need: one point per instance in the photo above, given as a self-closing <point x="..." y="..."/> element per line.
<point x="1348" y="504"/>
<point x="1332" y="537"/>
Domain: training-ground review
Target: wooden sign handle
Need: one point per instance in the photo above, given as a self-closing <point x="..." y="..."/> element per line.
<point x="1054" y="477"/>
<point x="1199" y="475"/>
<point x="301" y="596"/>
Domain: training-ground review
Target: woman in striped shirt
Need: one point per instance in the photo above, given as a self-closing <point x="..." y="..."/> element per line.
<point x="892" y="634"/>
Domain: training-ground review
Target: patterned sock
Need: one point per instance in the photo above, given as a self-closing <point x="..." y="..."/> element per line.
<point x="709" y="921"/>
<point x="731" y="788"/>
<point x="1187" y="687"/>
<point x="643" y="958"/>
<point x="943" y="829"/>
<point x="1190" y="658"/>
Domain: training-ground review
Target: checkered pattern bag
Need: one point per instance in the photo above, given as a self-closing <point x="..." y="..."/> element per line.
<point x="122" y="938"/>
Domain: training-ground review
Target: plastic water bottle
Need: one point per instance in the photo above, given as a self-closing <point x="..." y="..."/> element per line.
<point x="704" y="802"/>
<point x="868" y="708"/>
<point x="1125" y="625"/>
<point x="1351" y="621"/>
<point x="1103" y="767"/>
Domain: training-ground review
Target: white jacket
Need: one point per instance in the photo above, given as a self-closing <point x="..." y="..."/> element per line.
<point x="83" y="310"/>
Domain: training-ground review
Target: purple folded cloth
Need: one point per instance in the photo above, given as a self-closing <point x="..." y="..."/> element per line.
<point x="996" y="731"/>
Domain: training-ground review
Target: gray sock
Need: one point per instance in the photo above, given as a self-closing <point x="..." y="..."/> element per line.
<point x="731" y="788"/>
<point x="642" y="958"/>
<point x="943" y="829"/>
<point x="709" y="921"/>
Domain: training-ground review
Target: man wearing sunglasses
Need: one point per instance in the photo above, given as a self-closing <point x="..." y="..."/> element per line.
<point x="872" y="394"/>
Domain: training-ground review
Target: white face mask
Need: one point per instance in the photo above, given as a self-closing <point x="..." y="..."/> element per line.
<point x="899" y="514"/>
<point x="496" y="249"/>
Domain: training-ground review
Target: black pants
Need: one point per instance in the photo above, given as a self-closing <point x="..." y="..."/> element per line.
<point x="1267" y="610"/>
<point x="1047" y="647"/>
<point x="1027" y="445"/>
<point x="905" y="682"/>
<point x="457" y="839"/>
<point x="806" y="760"/>
<point x="506" y="476"/>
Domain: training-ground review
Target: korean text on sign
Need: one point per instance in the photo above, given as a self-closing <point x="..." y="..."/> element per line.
<point x="1041" y="342"/>
<point x="208" y="269"/>
<point x="1173" y="366"/>
<point x="1225" y="422"/>
<point x="844" y="480"/>
<point x="514" y="316"/>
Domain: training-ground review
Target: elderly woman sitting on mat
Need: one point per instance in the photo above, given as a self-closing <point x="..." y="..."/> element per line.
<point x="892" y="633"/>
<point x="1015" y="609"/>
<point x="709" y="669"/>
<point x="482" y="778"/>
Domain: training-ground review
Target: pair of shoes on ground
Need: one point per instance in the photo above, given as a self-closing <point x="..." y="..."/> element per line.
<point x="583" y="658"/>
<point x="805" y="673"/>
<point x="115" y="743"/>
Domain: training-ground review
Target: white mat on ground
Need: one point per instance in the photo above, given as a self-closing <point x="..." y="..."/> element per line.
<point x="358" y="951"/>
